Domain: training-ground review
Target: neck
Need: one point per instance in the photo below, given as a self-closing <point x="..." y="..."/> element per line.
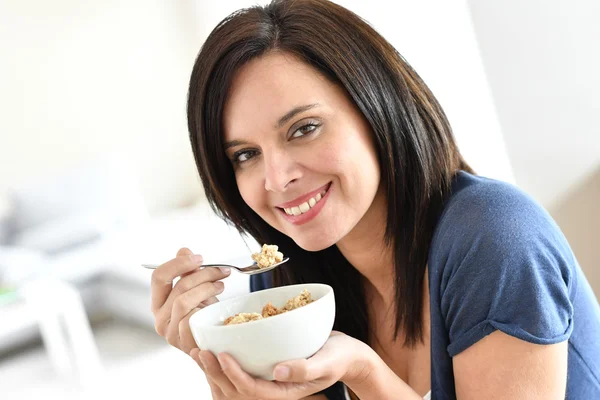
<point x="365" y="248"/>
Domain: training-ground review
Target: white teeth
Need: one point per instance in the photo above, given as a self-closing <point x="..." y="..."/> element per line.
<point x="304" y="207"/>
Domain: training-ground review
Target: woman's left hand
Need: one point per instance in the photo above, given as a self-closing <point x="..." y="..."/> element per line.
<point x="342" y="358"/>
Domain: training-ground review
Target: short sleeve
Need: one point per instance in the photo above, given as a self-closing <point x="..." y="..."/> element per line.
<point x="506" y="266"/>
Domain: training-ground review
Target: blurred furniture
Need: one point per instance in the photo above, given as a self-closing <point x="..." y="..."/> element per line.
<point x="57" y="310"/>
<point x="90" y="229"/>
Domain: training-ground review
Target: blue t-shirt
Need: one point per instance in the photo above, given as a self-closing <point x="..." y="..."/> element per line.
<point x="498" y="261"/>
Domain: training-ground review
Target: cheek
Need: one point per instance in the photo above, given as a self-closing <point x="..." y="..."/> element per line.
<point x="250" y="190"/>
<point x="327" y="158"/>
<point x="347" y="159"/>
<point x="355" y="164"/>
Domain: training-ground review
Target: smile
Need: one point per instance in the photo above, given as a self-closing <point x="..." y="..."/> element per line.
<point x="305" y="208"/>
<point x="307" y="205"/>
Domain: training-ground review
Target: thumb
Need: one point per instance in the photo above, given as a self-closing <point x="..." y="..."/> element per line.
<point x="325" y="363"/>
<point x="302" y="370"/>
<point x="184" y="251"/>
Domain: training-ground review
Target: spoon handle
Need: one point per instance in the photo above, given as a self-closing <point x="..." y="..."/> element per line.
<point x="154" y="266"/>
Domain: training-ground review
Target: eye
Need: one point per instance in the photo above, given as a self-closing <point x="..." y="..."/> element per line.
<point x="304" y="130"/>
<point x="242" y="156"/>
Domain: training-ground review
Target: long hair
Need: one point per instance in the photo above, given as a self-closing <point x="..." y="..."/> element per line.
<point x="417" y="153"/>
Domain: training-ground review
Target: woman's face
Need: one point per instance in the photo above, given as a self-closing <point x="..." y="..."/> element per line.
<point x="303" y="154"/>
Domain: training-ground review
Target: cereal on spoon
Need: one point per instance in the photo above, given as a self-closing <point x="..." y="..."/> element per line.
<point x="268" y="256"/>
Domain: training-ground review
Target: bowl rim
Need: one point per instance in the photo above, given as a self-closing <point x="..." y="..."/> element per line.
<point x="237" y="298"/>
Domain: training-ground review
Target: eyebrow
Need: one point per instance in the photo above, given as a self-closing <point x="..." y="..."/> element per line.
<point x="293" y="112"/>
<point x="234" y="143"/>
<point x="289" y="115"/>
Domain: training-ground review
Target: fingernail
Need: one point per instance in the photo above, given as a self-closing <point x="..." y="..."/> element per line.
<point x="225" y="270"/>
<point x="220" y="285"/>
<point x="281" y="373"/>
<point x="198" y="259"/>
<point x="201" y="362"/>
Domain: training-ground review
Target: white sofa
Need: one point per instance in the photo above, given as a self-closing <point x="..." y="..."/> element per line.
<point x="108" y="274"/>
<point x="96" y="233"/>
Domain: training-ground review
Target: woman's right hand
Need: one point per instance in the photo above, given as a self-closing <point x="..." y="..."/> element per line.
<point x="173" y="305"/>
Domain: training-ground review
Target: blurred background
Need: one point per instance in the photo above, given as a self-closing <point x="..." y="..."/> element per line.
<point x="97" y="175"/>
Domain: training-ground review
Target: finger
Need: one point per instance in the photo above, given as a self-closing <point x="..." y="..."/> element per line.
<point x="185" y="303"/>
<point x="184" y="251"/>
<point x="260" y="388"/>
<point x="320" y="366"/>
<point x="243" y="382"/>
<point x="194" y="354"/>
<point x="164" y="316"/>
<point x="163" y="276"/>
<point x="298" y="371"/>
<point x="186" y="339"/>
<point x="213" y="371"/>
<point x="209" y="301"/>
<point x="194" y="279"/>
<point x="214" y="388"/>
<point x="190" y="300"/>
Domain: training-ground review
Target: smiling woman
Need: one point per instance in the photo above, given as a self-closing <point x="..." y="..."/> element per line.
<point x="311" y="132"/>
<point x="296" y="150"/>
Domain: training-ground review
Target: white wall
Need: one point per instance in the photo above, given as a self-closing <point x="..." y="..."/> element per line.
<point x="79" y="78"/>
<point x="83" y="77"/>
<point x="437" y="39"/>
<point x="542" y="59"/>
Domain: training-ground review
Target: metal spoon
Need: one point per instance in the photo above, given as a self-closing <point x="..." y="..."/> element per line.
<point x="250" y="270"/>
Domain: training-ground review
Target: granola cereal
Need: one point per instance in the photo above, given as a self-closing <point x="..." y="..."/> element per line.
<point x="269" y="309"/>
<point x="241" y="318"/>
<point x="268" y="256"/>
<point x="301" y="300"/>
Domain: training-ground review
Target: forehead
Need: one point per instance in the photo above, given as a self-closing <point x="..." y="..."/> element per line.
<point x="268" y="87"/>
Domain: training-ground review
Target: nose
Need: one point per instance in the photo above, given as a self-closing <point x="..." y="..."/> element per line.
<point x="281" y="170"/>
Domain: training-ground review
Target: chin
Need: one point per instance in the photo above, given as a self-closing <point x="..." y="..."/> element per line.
<point x="314" y="244"/>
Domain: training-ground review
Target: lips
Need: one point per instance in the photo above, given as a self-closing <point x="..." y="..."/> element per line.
<point x="305" y="198"/>
<point x="293" y="214"/>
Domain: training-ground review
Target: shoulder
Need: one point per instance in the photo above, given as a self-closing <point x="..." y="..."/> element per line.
<point x="476" y="201"/>
<point x="494" y="211"/>
<point x="498" y="261"/>
<point x="492" y="232"/>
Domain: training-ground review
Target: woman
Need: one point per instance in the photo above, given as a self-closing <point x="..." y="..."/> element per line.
<point x="447" y="284"/>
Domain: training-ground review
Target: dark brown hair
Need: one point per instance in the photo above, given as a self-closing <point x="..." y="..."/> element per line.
<point x="417" y="153"/>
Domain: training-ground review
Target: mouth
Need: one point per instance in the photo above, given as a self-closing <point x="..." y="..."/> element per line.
<point x="307" y="207"/>
<point x="304" y="203"/>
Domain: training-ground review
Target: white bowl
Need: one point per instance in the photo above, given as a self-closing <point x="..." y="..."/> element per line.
<point x="260" y="345"/>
